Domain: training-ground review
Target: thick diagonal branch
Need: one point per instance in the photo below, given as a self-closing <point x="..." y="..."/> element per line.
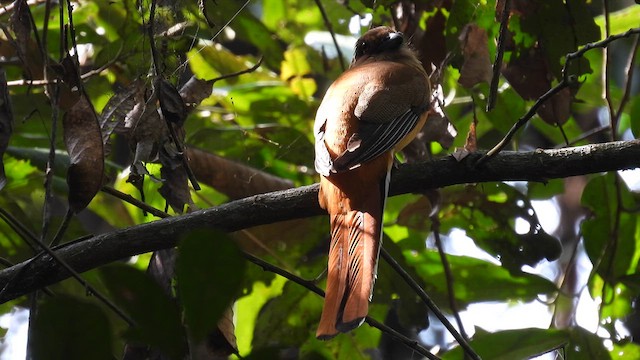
<point x="539" y="165"/>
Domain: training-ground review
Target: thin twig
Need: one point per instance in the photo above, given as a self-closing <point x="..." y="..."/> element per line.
<point x="11" y="221"/>
<point x="19" y="228"/>
<point x="607" y="77"/>
<point x="430" y="304"/>
<point x="63" y="228"/>
<point x="435" y="224"/>
<point x="564" y="134"/>
<point x="410" y="343"/>
<point x="598" y="44"/>
<point x="54" y="95"/>
<point x="629" y="78"/>
<point x="77" y="276"/>
<point x="241" y="72"/>
<point x="85" y="76"/>
<point x="586" y="135"/>
<point x="327" y="23"/>
<point x="523" y="120"/>
<point x="565" y="82"/>
<point x="214" y="36"/>
<point x="565" y="272"/>
<point x="135" y="202"/>
<point x="497" y="65"/>
<point x="25" y="234"/>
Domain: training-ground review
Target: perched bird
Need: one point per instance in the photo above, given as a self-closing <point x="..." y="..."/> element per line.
<point x="372" y="110"/>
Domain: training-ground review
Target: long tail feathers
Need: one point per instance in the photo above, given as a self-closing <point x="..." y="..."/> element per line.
<point x="353" y="258"/>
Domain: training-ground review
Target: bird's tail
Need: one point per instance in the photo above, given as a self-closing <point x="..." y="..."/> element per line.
<point x="353" y="261"/>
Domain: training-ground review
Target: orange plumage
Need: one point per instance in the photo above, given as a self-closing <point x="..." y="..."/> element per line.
<point x="373" y="109"/>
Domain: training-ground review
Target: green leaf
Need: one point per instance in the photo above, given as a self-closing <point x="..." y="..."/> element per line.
<point x="209" y="270"/>
<point x="69" y="328"/>
<point x="476" y="280"/>
<point x="625" y="351"/>
<point x="514" y="344"/>
<point x="549" y="23"/>
<point x="288" y="319"/>
<point x="608" y="232"/>
<point x="543" y="191"/>
<point x="584" y="345"/>
<point x="156" y="316"/>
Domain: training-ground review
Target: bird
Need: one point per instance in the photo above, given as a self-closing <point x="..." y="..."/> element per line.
<point x="371" y="111"/>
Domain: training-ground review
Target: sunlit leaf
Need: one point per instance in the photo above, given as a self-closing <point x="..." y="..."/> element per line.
<point x="515" y="344"/>
<point x="478" y="280"/>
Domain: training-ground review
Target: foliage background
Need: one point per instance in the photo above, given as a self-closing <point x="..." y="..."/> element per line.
<point x="250" y="133"/>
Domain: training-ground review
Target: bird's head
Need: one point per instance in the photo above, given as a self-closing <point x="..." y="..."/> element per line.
<point x="380" y="43"/>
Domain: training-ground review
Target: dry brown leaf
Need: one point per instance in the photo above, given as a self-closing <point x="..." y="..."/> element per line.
<point x="416" y="214"/>
<point x="477" y="64"/>
<point x="84" y="144"/>
<point x="171" y="103"/>
<point x="194" y="91"/>
<point x="21" y="26"/>
<point x="471" y="144"/>
<point x="120" y="107"/>
<point x="530" y="77"/>
<point x="175" y="183"/>
<point x="227" y="334"/>
<point x="6" y="123"/>
<point x="556" y="110"/>
<point x="432" y="45"/>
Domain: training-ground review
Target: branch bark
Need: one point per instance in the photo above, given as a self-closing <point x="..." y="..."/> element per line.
<point x="537" y="166"/>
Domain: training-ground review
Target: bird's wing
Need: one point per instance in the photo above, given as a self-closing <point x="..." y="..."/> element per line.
<point x="373" y="139"/>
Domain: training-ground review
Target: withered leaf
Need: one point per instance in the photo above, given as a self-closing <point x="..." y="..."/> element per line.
<point x="432" y="46"/>
<point x="225" y="341"/>
<point x="70" y="73"/>
<point x="21" y="26"/>
<point x="171" y="102"/>
<point x="416" y="214"/>
<point x="175" y="184"/>
<point x="84" y="145"/>
<point x="471" y="144"/>
<point x="119" y="107"/>
<point x="530" y="77"/>
<point x="194" y="91"/>
<point x="6" y="123"/>
<point x="70" y="88"/>
<point x="477" y="64"/>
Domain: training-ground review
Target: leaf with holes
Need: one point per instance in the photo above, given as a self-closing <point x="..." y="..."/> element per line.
<point x="119" y="107"/>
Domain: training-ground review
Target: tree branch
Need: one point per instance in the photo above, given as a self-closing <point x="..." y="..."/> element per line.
<point x="538" y="165"/>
